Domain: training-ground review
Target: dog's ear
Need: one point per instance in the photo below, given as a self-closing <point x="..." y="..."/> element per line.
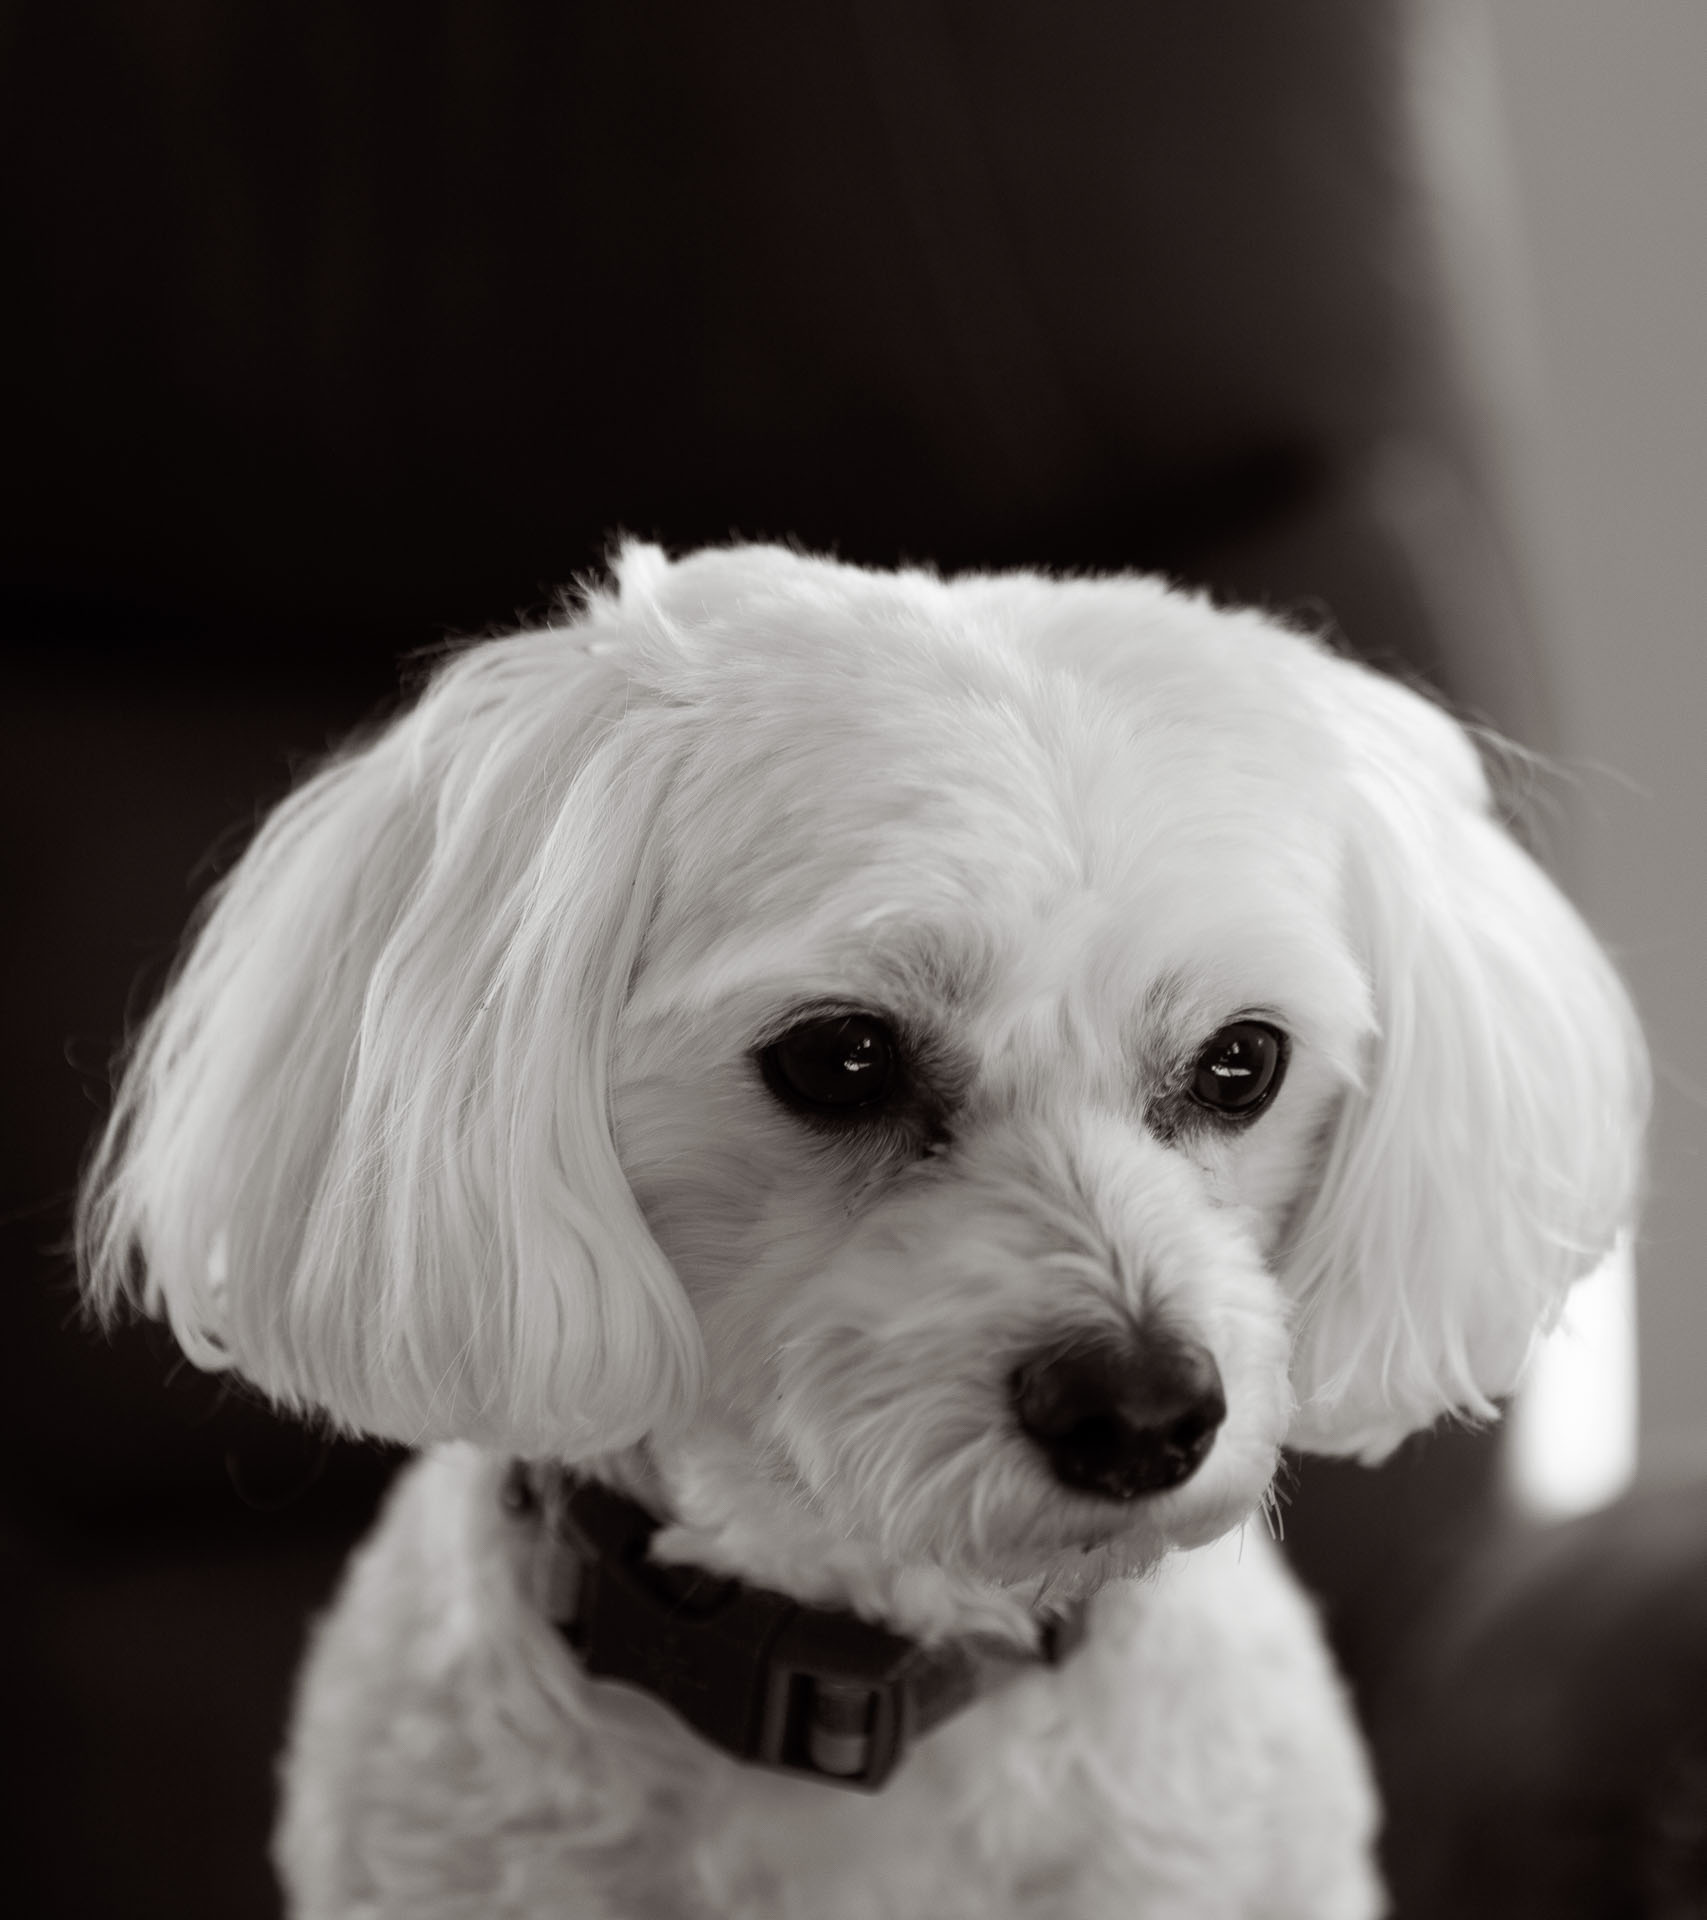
<point x="361" y="1153"/>
<point x="1492" y="1154"/>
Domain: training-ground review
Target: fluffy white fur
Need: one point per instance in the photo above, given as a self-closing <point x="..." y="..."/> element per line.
<point x="450" y="1127"/>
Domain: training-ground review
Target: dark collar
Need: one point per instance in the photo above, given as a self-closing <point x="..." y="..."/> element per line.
<point x="809" y="1690"/>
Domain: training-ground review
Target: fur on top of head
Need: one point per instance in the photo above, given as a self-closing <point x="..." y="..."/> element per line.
<point x="450" y="1124"/>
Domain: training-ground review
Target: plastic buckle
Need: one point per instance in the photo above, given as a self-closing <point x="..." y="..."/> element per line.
<point x="838" y="1704"/>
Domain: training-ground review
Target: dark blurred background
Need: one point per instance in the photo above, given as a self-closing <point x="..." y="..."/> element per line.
<point x="332" y="330"/>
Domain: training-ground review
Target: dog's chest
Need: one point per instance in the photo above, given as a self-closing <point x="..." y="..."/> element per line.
<point x="991" y="1815"/>
<point x="1101" y="1789"/>
<point x="1192" y="1760"/>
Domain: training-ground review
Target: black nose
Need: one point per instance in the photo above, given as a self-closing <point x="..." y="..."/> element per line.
<point x="1121" y="1418"/>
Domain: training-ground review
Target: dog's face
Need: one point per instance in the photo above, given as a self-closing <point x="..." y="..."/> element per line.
<point x="970" y="1090"/>
<point x="999" y="1055"/>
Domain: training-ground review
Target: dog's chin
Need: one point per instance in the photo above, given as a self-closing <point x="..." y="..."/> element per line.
<point x="1122" y="1550"/>
<point x="1009" y="1539"/>
<point x="1076" y="1546"/>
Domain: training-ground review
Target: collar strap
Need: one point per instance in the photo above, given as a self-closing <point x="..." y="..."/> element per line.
<point x="813" y="1691"/>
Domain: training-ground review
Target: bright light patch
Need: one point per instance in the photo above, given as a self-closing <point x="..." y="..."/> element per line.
<point x="1571" y="1431"/>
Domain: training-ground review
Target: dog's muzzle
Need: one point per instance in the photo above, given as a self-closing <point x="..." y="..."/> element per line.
<point x="1121" y="1418"/>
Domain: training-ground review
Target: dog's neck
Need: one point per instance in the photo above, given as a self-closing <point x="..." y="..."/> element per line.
<point x="814" y="1690"/>
<point x="717" y="1514"/>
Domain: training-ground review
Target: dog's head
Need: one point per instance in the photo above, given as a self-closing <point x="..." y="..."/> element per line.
<point x="1004" y="1053"/>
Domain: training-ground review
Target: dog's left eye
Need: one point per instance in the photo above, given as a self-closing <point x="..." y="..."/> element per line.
<point x="837" y="1064"/>
<point x="1241" y="1069"/>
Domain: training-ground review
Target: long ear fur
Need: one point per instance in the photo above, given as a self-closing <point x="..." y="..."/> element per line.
<point x="1492" y="1155"/>
<point x="361" y="1152"/>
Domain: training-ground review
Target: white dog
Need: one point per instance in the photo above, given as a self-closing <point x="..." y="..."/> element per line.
<point x="913" y="1089"/>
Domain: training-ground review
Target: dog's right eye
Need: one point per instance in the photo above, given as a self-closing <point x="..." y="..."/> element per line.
<point x="841" y="1063"/>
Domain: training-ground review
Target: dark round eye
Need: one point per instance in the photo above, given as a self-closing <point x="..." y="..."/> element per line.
<point x="1241" y="1069"/>
<point x="836" y="1064"/>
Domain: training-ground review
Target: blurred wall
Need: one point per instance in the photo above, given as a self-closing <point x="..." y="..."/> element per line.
<point x="1605" y="118"/>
